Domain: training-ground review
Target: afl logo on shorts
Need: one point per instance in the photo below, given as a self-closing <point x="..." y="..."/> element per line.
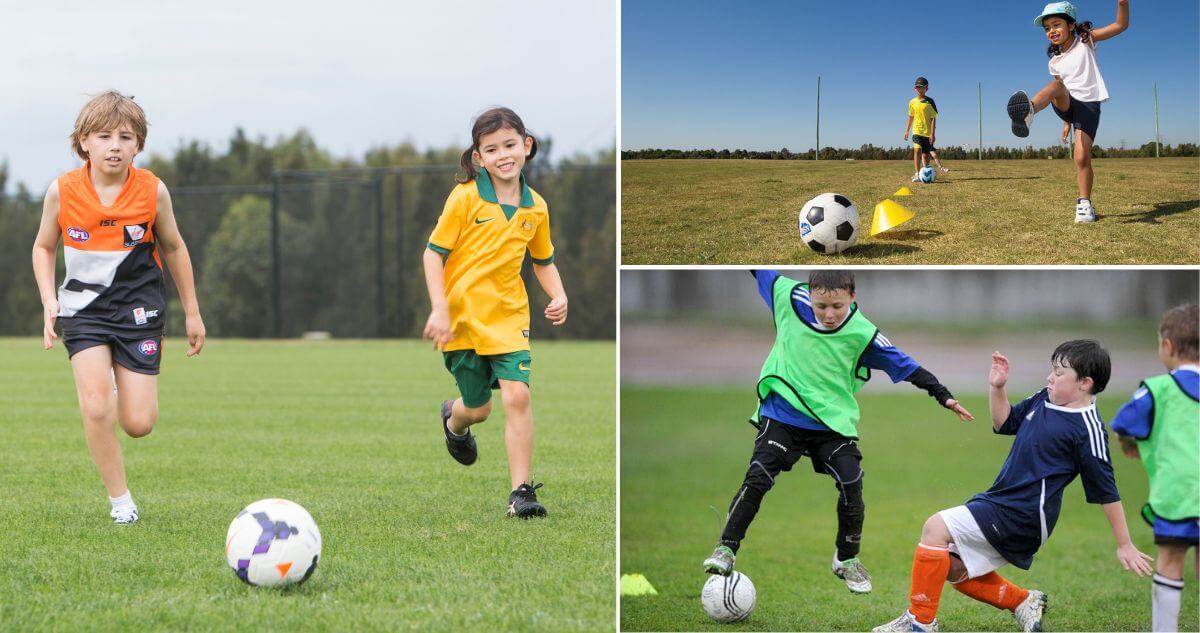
<point x="78" y="234"/>
<point x="149" y="347"/>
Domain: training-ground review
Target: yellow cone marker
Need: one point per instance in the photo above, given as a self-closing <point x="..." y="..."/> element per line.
<point x="903" y="191"/>
<point x="636" y="585"/>
<point x="889" y="214"/>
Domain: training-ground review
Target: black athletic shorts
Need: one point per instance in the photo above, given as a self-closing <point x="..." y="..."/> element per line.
<point x="924" y="142"/>
<point x="831" y="453"/>
<point x="139" y="354"/>
<point x="1082" y="115"/>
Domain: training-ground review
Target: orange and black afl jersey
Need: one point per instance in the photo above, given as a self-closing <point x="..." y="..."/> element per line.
<point x="114" y="280"/>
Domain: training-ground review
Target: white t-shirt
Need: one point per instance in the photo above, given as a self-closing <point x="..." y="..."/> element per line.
<point x="1079" y="72"/>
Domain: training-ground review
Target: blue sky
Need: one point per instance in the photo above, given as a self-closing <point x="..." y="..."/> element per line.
<point x="356" y="73"/>
<point x="706" y="73"/>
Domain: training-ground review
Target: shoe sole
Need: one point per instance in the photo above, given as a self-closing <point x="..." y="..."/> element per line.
<point x="717" y="570"/>
<point x="540" y="512"/>
<point x="1019" y="106"/>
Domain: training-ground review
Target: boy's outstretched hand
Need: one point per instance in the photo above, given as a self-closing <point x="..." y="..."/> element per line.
<point x="959" y="410"/>
<point x="998" y="376"/>
<point x="1133" y="560"/>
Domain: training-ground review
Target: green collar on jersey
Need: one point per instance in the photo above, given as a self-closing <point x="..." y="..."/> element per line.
<point x="483" y="183"/>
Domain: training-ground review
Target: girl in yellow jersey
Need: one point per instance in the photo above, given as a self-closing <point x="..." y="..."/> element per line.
<point x="115" y="222"/>
<point x="480" y="312"/>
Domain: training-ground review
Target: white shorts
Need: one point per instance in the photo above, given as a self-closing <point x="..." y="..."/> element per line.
<point x="978" y="556"/>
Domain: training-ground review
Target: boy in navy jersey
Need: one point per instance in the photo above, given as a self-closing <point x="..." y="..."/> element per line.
<point x="1059" y="435"/>
<point x="1158" y="425"/>
<point x="825" y="349"/>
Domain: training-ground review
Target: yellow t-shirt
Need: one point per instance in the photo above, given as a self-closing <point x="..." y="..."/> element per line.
<point x="484" y="244"/>
<point x="923" y="112"/>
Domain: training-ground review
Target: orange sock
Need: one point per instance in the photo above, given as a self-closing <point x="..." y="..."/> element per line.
<point x="930" y="565"/>
<point x="995" y="590"/>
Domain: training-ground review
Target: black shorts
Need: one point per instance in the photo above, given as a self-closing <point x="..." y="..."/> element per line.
<point x="1082" y="115"/>
<point x="831" y="453"/>
<point x="924" y="142"/>
<point x="139" y="354"/>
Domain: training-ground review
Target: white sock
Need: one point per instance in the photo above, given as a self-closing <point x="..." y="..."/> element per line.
<point x="1164" y="601"/>
<point x="123" y="501"/>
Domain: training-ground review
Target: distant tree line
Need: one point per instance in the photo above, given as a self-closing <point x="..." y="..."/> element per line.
<point x="351" y="233"/>
<point x="871" y="152"/>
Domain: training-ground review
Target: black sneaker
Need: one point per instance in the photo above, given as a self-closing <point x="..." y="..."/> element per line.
<point x="523" y="503"/>
<point x="1020" y="110"/>
<point x="462" y="447"/>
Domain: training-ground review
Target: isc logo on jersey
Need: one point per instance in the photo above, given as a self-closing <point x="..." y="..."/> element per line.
<point x="149" y="347"/>
<point x="78" y="234"/>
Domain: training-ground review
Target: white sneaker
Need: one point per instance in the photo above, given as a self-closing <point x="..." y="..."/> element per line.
<point x="944" y="170"/>
<point x="916" y="177"/>
<point x="124" y="515"/>
<point x="1029" y="613"/>
<point x="1084" y="211"/>
<point x="907" y="622"/>
<point x="852" y="571"/>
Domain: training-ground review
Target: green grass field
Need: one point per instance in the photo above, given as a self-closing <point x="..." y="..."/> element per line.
<point x="683" y="454"/>
<point x="989" y="212"/>
<point x="349" y="429"/>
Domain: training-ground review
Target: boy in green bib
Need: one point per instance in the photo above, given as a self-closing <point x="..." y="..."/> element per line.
<point x="1161" y="424"/>
<point x="825" y="349"/>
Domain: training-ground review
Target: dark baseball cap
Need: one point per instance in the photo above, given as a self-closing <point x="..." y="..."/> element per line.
<point x="921" y="81"/>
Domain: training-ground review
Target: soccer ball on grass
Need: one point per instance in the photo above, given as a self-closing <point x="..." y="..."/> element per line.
<point x="728" y="598"/>
<point x="273" y="542"/>
<point x="829" y="223"/>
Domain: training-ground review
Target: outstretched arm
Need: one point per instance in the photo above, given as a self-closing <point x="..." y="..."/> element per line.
<point x="923" y="379"/>
<point x="1116" y="28"/>
<point x="45" y="248"/>
<point x="1127" y="554"/>
<point x="997" y="397"/>
<point x="175" y="252"/>
<point x="551" y="282"/>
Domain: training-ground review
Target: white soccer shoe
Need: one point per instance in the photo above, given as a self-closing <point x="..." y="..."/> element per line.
<point x="1029" y="613"/>
<point x="1085" y="213"/>
<point x="907" y="622"/>
<point x="124" y="515"/>
<point x="852" y="571"/>
<point x="916" y="177"/>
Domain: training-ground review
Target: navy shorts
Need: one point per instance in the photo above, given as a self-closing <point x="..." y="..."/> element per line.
<point x="139" y="354"/>
<point x="924" y="143"/>
<point x="1082" y="115"/>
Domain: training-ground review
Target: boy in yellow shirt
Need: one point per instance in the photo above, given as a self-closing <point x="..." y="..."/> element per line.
<point x="922" y="120"/>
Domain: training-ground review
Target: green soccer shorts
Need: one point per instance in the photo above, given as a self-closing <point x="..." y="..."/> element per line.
<point x="477" y="375"/>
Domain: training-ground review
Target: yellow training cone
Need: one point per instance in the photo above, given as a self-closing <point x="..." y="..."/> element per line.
<point x="903" y="191"/>
<point x="889" y="214"/>
<point x="636" y="585"/>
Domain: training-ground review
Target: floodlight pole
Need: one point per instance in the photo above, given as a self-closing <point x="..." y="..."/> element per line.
<point x="979" y="94"/>
<point x="817" y="154"/>
<point x="1157" y="137"/>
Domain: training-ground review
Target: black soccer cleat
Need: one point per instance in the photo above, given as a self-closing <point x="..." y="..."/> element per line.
<point x="1020" y="110"/>
<point x="523" y="503"/>
<point x="461" y="447"/>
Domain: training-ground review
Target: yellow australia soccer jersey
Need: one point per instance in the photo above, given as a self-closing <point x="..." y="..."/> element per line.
<point x="923" y="112"/>
<point x="484" y="245"/>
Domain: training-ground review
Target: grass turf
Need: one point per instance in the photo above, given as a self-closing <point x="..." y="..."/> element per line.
<point x="983" y="212"/>
<point x="683" y="455"/>
<point x="349" y="429"/>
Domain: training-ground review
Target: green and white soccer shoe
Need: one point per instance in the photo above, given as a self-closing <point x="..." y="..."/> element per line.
<point x="1029" y="613"/>
<point x="852" y="571"/>
<point x="721" y="561"/>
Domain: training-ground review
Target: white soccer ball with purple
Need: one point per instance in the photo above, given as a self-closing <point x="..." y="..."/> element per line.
<point x="728" y="598"/>
<point x="273" y="542"/>
<point x="829" y="223"/>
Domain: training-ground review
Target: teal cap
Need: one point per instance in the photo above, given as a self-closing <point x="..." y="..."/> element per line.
<point x="1056" y="8"/>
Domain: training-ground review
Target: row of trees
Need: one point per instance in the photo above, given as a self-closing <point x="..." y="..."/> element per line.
<point x="871" y="152"/>
<point x="350" y="231"/>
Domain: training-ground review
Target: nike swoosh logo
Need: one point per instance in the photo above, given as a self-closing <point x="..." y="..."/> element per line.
<point x="479" y="221"/>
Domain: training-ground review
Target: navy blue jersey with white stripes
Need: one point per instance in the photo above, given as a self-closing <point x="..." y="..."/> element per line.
<point x="1053" y="445"/>
<point x="880" y="354"/>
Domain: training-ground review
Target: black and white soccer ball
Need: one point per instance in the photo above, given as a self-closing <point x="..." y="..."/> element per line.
<point x="829" y="223"/>
<point x="728" y="598"/>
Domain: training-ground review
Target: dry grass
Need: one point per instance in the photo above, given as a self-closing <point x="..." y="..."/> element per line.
<point x="989" y="212"/>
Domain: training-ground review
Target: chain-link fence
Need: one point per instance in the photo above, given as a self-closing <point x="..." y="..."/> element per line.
<point x="339" y="251"/>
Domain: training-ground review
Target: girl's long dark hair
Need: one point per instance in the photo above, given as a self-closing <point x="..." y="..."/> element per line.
<point x="486" y="123"/>
<point x="1083" y="30"/>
